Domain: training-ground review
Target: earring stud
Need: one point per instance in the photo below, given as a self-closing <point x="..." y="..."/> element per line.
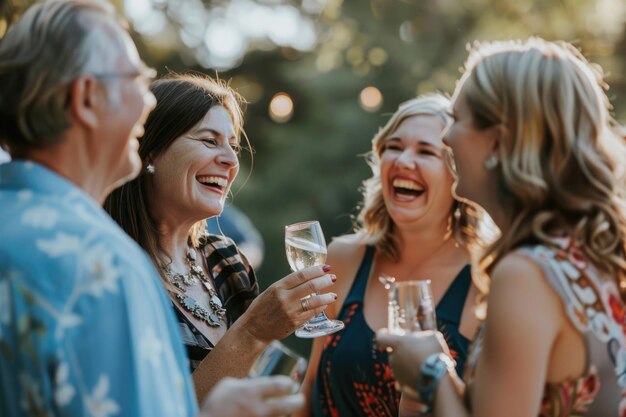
<point x="491" y="163"/>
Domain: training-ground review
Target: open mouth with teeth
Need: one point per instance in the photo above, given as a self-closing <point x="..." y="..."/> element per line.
<point x="405" y="188"/>
<point x="218" y="184"/>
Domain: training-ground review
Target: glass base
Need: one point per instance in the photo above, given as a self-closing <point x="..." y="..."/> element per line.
<point x="319" y="326"/>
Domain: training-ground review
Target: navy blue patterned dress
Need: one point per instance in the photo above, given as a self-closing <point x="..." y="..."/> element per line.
<point x="354" y="378"/>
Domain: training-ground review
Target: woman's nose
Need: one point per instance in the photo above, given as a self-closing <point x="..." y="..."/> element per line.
<point x="406" y="159"/>
<point x="228" y="157"/>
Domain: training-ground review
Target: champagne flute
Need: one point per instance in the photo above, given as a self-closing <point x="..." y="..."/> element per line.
<point x="412" y="308"/>
<point x="305" y="247"/>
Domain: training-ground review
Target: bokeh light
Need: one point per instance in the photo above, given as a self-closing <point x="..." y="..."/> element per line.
<point x="281" y="108"/>
<point x="219" y="36"/>
<point x="371" y="99"/>
<point x="377" y="56"/>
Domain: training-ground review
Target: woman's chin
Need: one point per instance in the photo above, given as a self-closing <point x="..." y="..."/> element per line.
<point x="211" y="210"/>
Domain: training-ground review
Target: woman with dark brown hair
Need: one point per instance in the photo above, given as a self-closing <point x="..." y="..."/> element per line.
<point x="190" y="152"/>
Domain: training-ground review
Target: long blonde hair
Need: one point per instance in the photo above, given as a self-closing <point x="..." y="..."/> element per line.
<point x="559" y="156"/>
<point x="373" y="224"/>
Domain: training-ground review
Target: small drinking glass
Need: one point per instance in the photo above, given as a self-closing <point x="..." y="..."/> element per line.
<point x="277" y="359"/>
<point x="412" y="308"/>
<point x="305" y="247"/>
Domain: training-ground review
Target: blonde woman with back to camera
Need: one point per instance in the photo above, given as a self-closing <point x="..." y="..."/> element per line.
<point x="533" y="146"/>
<point x="406" y="229"/>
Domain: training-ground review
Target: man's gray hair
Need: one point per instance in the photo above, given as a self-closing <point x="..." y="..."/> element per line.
<point x="52" y="44"/>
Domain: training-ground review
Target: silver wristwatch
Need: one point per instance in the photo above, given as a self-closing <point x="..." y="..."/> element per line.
<point x="431" y="372"/>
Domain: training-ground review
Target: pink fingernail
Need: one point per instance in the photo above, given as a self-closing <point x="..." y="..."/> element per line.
<point x="326" y="268"/>
<point x="333" y="278"/>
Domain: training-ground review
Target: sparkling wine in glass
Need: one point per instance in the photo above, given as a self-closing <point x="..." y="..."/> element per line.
<point x="305" y="247"/>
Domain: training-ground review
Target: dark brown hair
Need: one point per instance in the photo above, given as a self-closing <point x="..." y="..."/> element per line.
<point x="182" y="102"/>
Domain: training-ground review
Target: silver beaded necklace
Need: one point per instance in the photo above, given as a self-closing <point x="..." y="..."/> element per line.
<point x="196" y="274"/>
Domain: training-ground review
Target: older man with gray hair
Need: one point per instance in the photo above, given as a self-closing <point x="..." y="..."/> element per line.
<point x="85" y="327"/>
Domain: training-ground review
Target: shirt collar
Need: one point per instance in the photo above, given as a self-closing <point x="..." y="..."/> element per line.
<point x="29" y="175"/>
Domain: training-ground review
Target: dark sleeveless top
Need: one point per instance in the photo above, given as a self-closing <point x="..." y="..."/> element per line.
<point x="354" y="378"/>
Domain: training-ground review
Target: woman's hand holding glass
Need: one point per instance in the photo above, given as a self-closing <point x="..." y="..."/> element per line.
<point x="305" y="246"/>
<point x="278" y="310"/>
<point x="407" y="353"/>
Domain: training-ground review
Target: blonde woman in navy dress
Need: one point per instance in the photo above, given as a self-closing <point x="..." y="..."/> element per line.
<point x="406" y="229"/>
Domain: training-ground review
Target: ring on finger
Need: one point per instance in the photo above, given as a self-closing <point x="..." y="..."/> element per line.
<point x="304" y="302"/>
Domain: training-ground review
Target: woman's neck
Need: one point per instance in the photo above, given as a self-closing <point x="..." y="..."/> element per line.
<point x="498" y="214"/>
<point x="174" y="242"/>
<point x="417" y="247"/>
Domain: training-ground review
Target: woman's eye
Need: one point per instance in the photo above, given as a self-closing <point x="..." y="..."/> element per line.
<point x="236" y="147"/>
<point x="427" y="152"/>
<point x="209" y="142"/>
<point x="391" y="147"/>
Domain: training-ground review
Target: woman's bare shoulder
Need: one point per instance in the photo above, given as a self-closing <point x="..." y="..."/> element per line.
<point x="346" y="244"/>
<point x="516" y="280"/>
<point x="345" y="254"/>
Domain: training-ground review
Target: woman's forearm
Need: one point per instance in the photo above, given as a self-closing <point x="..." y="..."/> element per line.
<point x="233" y="356"/>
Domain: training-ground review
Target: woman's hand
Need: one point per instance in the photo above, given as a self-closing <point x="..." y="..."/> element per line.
<point x="406" y="353"/>
<point x="256" y="397"/>
<point x="289" y="303"/>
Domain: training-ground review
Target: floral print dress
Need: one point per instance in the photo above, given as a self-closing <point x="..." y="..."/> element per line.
<point x="593" y="304"/>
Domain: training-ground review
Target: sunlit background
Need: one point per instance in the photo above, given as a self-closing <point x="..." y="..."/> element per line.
<point x="321" y="76"/>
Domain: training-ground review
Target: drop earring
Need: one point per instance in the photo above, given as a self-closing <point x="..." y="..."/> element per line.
<point x="491" y="162"/>
<point x="150" y="169"/>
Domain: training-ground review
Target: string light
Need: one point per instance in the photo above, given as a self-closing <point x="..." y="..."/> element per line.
<point x="281" y="108"/>
<point x="371" y="99"/>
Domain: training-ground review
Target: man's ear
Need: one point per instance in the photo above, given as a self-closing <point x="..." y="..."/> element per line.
<point x="84" y="99"/>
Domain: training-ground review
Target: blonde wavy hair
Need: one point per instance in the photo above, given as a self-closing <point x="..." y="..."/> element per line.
<point x="559" y="154"/>
<point x="373" y="224"/>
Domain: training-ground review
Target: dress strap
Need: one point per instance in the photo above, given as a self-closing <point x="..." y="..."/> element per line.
<point x="450" y="307"/>
<point x="357" y="291"/>
<point x="586" y="297"/>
